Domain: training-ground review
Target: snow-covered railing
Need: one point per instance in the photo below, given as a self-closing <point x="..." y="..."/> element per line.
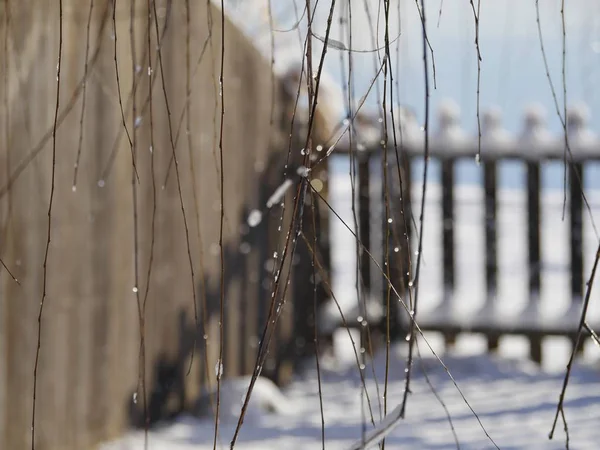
<point x="448" y="144"/>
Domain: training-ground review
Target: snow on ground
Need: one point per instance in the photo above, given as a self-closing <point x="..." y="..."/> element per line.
<point x="514" y="400"/>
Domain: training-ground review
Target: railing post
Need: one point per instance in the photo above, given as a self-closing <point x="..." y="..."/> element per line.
<point x="533" y="252"/>
<point x="395" y="262"/>
<point x="534" y="138"/>
<point x="496" y="142"/>
<point x="448" y="228"/>
<point x="452" y="138"/>
<point x="533" y="231"/>
<point x="364" y="217"/>
<point x="576" y="231"/>
<point x="491" y="240"/>
<point x="579" y="138"/>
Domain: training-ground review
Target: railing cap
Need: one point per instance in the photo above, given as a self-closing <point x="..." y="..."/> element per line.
<point x="581" y="138"/>
<point x="492" y="118"/>
<point x="578" y="116"/>
<point x="534" y="116"/>
<point x="535" y="137"/>
<point x="449" y="132"/>
<point x="408" y="131"/>
<point x="493" y="133"/>
<point x="448" y="113"/>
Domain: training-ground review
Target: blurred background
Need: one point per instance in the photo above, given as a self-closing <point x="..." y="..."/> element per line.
<point x="161" y="241"/>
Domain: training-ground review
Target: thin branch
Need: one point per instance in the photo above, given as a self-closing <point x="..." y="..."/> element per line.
<point x="49" y="229"/>
<point x="564" y="86"/>
<point x="315" y="315"/>
<point x="438" y="397"/>
<point x="440" y="13"/>
<point x="580" y="328"/>
<point x="415" y="282"/>
<point x="142" y="306"/>
<point x="221" y="220"/>
<point x="476" y="15"/>
<point x="562" y="116"/>
<point x="421" y="17"/>
<point x="338" y="45"/>
<point x="83" y="96"/>
<point x="393" y="419"/>
<point x="295" y="228"/>
<point x="116" y="64"/>
<point x="191" y="154"/>
<point x="9" y="272"/>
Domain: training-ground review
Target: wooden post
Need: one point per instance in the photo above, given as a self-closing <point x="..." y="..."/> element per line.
<point x="533" y="251"/>
<point x="448" y="249"/>
<point x="491" y="259"/>
<point x="576" y="233"/>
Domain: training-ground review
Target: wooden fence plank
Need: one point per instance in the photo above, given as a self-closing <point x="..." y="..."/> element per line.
<point x="89" y="370"/>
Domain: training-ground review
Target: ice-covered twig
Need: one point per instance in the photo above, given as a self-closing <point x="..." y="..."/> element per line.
<point x="385" y="427"/>
<point x="594" y="335"/>
<point x="255" y="216"/>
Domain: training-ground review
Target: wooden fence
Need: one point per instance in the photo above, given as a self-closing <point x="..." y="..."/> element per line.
<point x="135" y="234"/>
<point x="449" y="145"/>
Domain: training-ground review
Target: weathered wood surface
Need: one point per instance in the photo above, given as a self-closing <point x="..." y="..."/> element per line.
<point x="120" y="230"/>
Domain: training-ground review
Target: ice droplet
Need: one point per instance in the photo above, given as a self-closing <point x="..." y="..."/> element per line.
<point x="135" y="289"/>
<point x="390" y="220"/>
<point x="478" y="158"/>
<point x="219" y="369"/>
<point x="100" y="183"/>
<point x="74" y="188"/>
<point x="254" y="218"/>
<point x="302" y="171"/>
<point x="396" y="249"/>
<point x="135" y="397"/>
<point x="245" y="248"/>
<point x="137" y="122"/>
